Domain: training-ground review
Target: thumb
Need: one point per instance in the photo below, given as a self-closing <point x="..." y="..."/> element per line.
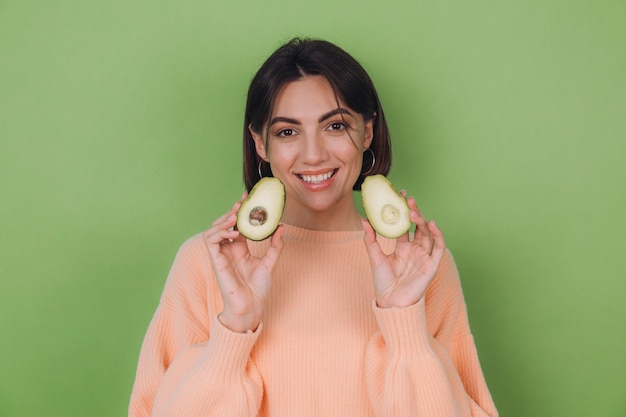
<point x="372" y="247"/>
<point x="273" y="252"/>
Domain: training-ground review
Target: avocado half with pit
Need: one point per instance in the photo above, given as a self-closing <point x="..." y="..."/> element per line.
<point x="385" y="208"/>
<point x="260" y="212"/>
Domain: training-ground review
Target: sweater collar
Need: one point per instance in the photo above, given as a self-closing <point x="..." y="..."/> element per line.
<point x="295" y="233"/>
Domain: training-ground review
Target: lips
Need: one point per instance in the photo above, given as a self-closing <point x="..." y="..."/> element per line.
<point x="317" y="178"/>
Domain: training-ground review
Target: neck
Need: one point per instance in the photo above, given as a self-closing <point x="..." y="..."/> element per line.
<point x="341" y="218"/>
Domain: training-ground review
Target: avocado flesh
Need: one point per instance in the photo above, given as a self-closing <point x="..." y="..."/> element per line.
<point x="260" y="212"/>
<point x="385" y="208"/>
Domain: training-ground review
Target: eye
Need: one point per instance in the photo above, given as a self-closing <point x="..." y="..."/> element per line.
<point x="337" y="126"/>
<point x="285" y="133"/>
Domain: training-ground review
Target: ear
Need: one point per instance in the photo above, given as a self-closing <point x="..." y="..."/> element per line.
<point x="259" y="143"/>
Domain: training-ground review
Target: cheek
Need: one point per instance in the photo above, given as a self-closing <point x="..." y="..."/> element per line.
<point x="282" y="156"/>
<point x="351" y="152"/>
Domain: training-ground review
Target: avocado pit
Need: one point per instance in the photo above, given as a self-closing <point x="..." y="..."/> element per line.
<point x="390" y="214"/>
<point x="258" y="216"/>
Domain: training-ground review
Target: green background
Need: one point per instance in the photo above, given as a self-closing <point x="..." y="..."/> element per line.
<point x="120" y="126"/>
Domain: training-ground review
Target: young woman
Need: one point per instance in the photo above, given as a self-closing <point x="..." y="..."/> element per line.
<point x="325" y="318"/>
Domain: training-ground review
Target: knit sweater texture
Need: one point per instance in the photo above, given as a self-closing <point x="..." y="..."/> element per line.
<point x="323" y="347"/>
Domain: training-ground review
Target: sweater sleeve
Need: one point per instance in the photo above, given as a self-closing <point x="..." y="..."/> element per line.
<point x="191" y="365"/>
<point x="423" y="361"/>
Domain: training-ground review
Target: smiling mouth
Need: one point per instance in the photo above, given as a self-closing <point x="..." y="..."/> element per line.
<point x="316" y="179"/>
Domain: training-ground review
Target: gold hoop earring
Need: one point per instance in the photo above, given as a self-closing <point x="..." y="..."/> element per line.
<point x="373" y="161"/>
<point x="259" y="168"/>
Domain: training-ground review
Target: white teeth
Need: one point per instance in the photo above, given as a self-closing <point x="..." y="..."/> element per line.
<point x="316" y="179"/>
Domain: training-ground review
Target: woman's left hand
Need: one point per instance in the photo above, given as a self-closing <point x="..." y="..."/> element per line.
<point x="401" y="278"/>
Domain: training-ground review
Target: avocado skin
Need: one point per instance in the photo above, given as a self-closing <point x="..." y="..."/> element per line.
<point x="376" y="192"/>
<point x="260" y="196"/>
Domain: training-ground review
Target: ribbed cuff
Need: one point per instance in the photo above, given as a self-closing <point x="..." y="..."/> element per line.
<point x="228" y="352"/>
<point x="404" y="329"/>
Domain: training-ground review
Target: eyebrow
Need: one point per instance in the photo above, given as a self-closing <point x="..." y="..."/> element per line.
<point x="328" y="115"/>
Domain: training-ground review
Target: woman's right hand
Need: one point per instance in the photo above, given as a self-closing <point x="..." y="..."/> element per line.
<point x="244" y="280"/>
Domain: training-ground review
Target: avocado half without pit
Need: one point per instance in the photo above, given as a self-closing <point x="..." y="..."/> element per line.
<point x="260" y="212"/>
<point x="385" y="208"/>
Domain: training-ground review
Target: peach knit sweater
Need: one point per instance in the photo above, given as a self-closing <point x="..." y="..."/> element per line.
<point x="323" y="347"/>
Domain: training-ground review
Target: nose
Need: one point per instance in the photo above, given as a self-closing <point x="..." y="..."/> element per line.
<point x="314" y="151"/>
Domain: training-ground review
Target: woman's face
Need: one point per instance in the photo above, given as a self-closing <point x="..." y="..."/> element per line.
<point x="315" y="146"/>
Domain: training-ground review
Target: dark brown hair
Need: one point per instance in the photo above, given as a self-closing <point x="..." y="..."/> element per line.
<point x="349" y="80"/>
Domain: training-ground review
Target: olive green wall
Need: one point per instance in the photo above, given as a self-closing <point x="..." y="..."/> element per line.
<point x="119" y="138"/>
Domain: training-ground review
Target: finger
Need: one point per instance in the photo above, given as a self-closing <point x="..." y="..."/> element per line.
<point x="439" y="245"/>
<point x="239" y="248"/>
<point x="226" y="216"/>
<point x="372" y="247"/>
<point x="416" y="216"/>
<point x="276" y="246"/>
<point x="221" y="237"/>
<point x="222" y="230"/>
<point x="370" y="233"/>
<point x="424" y="235"/>
<point x="405" y="237"/>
